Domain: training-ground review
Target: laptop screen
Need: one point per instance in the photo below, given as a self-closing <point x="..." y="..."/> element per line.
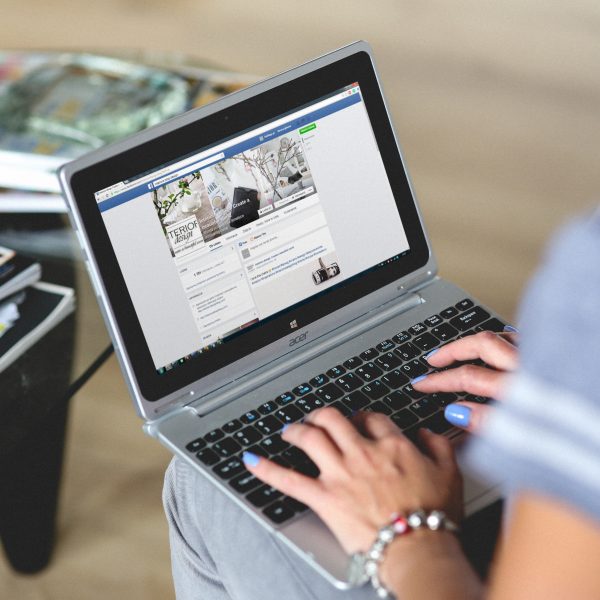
<point x="218" y="242"/>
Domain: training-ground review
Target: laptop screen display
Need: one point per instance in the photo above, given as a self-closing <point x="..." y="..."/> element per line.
<point x="218" y="242"/>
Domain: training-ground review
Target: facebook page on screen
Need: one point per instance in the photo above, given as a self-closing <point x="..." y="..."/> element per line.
<point x="224" y="239"/>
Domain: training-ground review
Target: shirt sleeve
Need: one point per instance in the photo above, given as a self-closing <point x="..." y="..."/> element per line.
<point x="544" y="435"/>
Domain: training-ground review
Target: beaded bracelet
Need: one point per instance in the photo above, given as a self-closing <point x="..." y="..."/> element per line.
<point x="364" y="566"/>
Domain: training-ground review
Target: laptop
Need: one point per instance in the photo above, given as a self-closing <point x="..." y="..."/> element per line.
<point x="261" y="257"/>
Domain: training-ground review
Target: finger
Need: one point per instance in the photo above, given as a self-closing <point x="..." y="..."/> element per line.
<point x="375" y="425"/>
<point x="468" y="415"/>
<point x="438" y="447"/>
<point x="291" y="483"/>
<point x="511" y="336"/>
<point x="338" y="427"/>
<point x="489" y="347"/>
<point x="315" y="442"/>
<point x="471" y="379"/>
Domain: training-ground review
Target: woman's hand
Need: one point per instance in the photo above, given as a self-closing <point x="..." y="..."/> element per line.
<point x="500" y="355"/>
<point x="368" y="472"/>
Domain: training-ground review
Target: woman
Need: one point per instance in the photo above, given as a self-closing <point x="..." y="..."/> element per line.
<point x="543" y="443"/>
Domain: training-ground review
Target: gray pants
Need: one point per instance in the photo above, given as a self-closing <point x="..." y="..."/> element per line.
<point x="218" y="552"/>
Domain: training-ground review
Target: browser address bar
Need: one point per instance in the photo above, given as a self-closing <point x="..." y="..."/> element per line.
<point x="187" y="169"/>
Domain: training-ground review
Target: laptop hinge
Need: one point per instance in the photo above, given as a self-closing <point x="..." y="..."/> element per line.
<point x="291" y="361"/>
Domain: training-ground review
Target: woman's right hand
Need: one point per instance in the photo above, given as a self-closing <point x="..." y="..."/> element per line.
<point x="499" y="353"/>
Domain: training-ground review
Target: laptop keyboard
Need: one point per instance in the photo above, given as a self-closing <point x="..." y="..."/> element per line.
<point x="377" y="380"/>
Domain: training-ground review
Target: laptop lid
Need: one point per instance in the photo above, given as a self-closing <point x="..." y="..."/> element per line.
<point x="242" y="230"/>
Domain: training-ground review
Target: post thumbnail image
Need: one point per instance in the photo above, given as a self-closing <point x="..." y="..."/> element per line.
<point x="232" y="193"/>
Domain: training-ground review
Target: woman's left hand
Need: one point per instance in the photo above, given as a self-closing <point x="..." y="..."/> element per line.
<point x="368" y="471"/>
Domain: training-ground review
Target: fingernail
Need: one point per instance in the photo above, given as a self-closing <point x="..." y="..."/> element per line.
<point x="428" y="356"/>
<point x="458" y="415"/>
<point x="284" y="428"/>
<point x="417" y="379"/>
<point x="510" y="329"/>
<point x="353" y="413"/>
<point x="250" y="459"/>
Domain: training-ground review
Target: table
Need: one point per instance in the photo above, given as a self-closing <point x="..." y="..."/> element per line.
<point x="36" y="390"/>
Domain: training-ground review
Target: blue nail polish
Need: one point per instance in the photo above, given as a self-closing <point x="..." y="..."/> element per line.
<point x="417" y="379"/>
<point x="510" y="329"/>
<point x="458" y="415"/>
<point x="428" y="356"/>
<point x="284" y="428"/>
<point x="250" y="459"/>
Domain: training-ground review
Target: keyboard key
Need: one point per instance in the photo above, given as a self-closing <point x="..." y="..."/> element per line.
<point x="349" y="382"/>
<point x="263" y="495"/>
<point x="414" y="368"/>
<point x="295" y="456"/>
<point x="214" y="435"/>
<point x="294" y="505"/>
<point x="208" y="457"/>
<point x="355" y="401"/>
<point x="247" y="436"/>
<point x="308" y="468"/>
<point x="244" y="483"/>
<point x="258" y="450"/>
<point x="387" y="361"/>
<point x="279" y="460"/>
<point x="330" y="392"/>
<point x="229" y="468"/>
<point x="436" y="423"/>
<point x="309" y="403"/>
<point x="336" y="372"/>
<point x="369" y="371"/>
<point x="353" y="362"/>
<point x="433" y="321"/>
<point x="402" y="337"/>
<point x="278" y="512"/>
<point x="196" y="445"/>
<point x="424" y="407"/>
<point x="250" y="417"/>
<point x="404" y="418"/>
<point x="426" y="342"/>
<point x="345" y="410"/>
<point x="410" y="391"/>
<point x="492" y="325"/>
<point x="375" y="390"/>
<point x="470" y="318"/>
<point x="379" y="407"/>
<point x="385" y="346"/>
<point x="267" y="407"/>
<point x="407" y="351"/>
<point x="319" y="380"/>
<point x="478" y="399"/>
<point x="274" y="444"/>
<point x="284" y="398"/>
<point x="397" y="400"/>
<point x="268" y="425"/>
<point x="449" y="312"/>
<point x="302" y="389"/>
<point x="444" y="332"/>
<point x="464" y="304"/>
<point x="232" y="426"/>
<point x="444" y="398"/>
<point x="289" y="414"/>
<point x="369" y="354"/>
<point x="395" y="379"/>
<point x="417" y="329"/>
<point x="227" y="447"/>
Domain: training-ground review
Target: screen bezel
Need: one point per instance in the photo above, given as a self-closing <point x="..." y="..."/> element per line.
<point x="214" y="128"/>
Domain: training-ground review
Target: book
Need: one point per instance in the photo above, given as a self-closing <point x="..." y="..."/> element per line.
<point x="16" y="272"/>
<point x="43" y="307"/>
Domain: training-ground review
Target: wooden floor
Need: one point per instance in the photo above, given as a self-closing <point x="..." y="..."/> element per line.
<point x="496" y="107"/>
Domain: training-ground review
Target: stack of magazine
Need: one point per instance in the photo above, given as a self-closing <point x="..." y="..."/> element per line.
<point x="54" y="107"/>
<point x="29" y="308"/>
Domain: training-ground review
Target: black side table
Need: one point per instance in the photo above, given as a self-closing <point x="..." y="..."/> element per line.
<point x="35" y="392"/>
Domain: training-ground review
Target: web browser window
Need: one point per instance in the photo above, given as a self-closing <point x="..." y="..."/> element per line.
<point x="224" y="239"/>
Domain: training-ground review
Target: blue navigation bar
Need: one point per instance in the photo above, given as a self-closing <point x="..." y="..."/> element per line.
<point x="237" y="149"/>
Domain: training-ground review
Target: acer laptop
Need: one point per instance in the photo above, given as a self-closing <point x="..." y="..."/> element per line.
<point x="261" y="257"/>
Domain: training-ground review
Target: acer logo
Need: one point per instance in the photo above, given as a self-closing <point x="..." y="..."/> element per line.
<point x="298" y="339"/>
